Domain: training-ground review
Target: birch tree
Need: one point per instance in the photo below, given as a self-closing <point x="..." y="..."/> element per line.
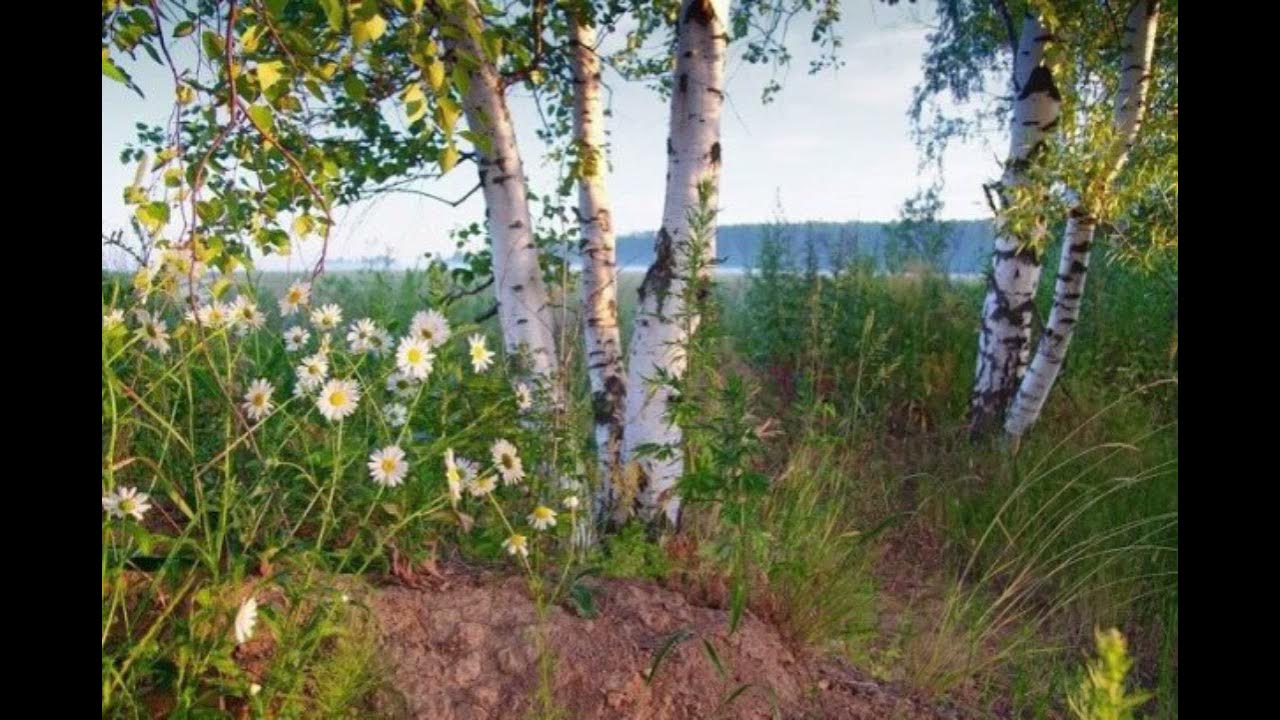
<point x="524" y="310"/>
<point x="1004" y="336"/>
<point x="662" y="323"/>
<point x="1138" y="48"/>
<point x="601" y="331"/>
<point x="1068" y="138"/>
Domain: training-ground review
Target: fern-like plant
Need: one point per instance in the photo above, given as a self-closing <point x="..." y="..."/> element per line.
<point x="1101" y="694"/>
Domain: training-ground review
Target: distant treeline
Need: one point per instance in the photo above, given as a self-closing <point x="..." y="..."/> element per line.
<point x="964" y="247"/>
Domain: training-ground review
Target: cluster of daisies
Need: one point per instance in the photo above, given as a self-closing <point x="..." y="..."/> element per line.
<point x="414" y="354"/>
<point x="338" y="398"/>
<point x="461" y="474"/>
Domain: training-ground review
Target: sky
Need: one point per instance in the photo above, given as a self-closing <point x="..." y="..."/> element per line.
<point x="834" y="146"/>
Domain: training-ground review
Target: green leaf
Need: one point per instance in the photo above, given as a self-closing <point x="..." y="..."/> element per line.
<point x="113" y="71"/>
<point x="354" y="87"/>
<point x="481" y="142"/>
<point x="153" y="216"/>
<point x="583" y="601"/>
<point x="270" y="73"/>
<point x="715" y="658"/>
<point x="434" y="72"/>
<point x="461" y="79"/>
<point x="220" y="287"/>
<point x="734" y="695"/>
<point x="447" y="113"/>
<point x="676" y="638"/>
<point x="212" y="43"/>
<point x="366" y="30"/>
<point x="134" y="194"/>
<point x="276" y="7"/>
<point x="183" y="29"/>
<point x="249" y="41"/>
<point x="737" y="602"/>
<point x="415" y="102"/>
<point x="333" y="13"/>
<point x="448" y="158"/>
<point x="303" y="225"/>
<point x="262" y="117"/>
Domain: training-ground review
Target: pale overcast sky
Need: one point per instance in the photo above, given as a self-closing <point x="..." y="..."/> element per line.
<point x="831" y="147"/>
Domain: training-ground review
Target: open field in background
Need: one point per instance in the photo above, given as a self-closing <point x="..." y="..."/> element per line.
<point x="886" y="536"/>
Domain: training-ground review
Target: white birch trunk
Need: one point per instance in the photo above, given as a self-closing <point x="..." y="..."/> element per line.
<point x="599" y="270"/>
<point x="1004" y="337"/>
<point x="660" y="338"/>
<point x="524" y="310"/>
<point x="1131" y="95"/>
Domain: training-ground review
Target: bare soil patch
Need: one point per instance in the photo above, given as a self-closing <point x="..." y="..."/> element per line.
<point x="463" y="648"/>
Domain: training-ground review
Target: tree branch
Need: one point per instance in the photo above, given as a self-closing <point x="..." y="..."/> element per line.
<point x="411" y="191"/>
<point x="459" y="294"/>
<point x="486" y="314"/>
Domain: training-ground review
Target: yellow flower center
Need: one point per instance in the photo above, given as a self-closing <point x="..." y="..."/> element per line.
<point x="414" y="356"/>
<point x="508" y="462"/>
<point x="388" y="465"/>
<point x="295" y="296"/>
<point x="337" y="398"/>
<point x="127" y="505"/>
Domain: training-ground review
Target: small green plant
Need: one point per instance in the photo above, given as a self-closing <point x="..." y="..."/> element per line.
<point x="1101" y="694"/>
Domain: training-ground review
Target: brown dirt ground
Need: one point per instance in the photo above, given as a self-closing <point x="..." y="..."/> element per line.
<point x="462" y="647"/>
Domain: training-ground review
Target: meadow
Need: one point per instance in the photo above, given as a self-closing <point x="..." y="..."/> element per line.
<point x="833" y="490"/>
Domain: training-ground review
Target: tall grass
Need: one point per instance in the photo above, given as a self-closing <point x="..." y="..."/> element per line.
<point x="871" y="373"/>
<point x="276" y="510"/>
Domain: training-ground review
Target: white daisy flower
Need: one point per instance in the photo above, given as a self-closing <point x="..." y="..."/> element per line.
<point x="153" y="332"/>
<point x="214" y="315"/>
<point x="402" y="385"/>
<point x="326" y="345"/>
<point x="414" y="358"/>
<point x="379" y="342"/>
<point x="326" y="318"/>
<point x="481" y="356"/>
<point x="246" y="619"/>
<point x="468" y="468"/>
<point x="338" y="399"/>
<point x="298" y="295"/>
<point x="517" y="545"/>
<point x="542" y="518"/>
<point x="479" y="487"/>
<point x="246" y="316"/>
<point x="387" y="466"/>
<point x="295" y="338"/>
<point x="313" y="371"/>
<point x="524" y="397"/>
<point x="506" y="459"/>
<point x="254" y="689"/>
<point x="359" y="335"/>
<point x="257" y="401"/>
<point x="396" y="415"/>
<point x="431" y="327"/>
<point x="571" y="502"/>
<point x="126" y="501"/>
<point x="453" y="476"/>
<point x="113" y="319"/>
